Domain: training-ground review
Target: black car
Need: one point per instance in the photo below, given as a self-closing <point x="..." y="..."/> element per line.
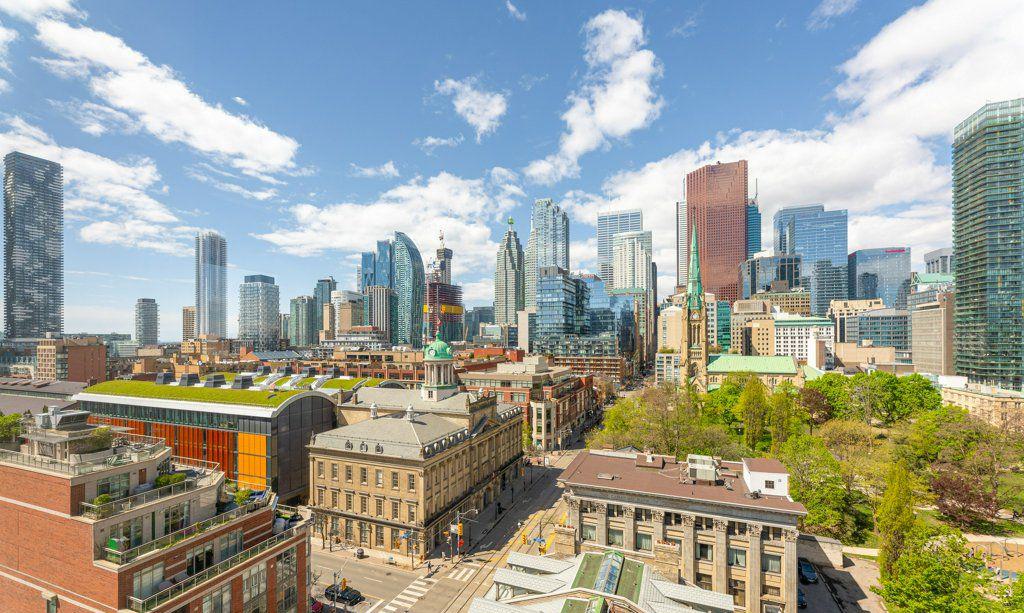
<point x="807" y="572"/>
<point x="801" y="600"/>
<point x="335" y="593"/>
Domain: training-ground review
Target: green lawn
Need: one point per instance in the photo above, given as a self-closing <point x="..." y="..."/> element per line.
<point x="147" y="389"/>
<point x="999" y="527"/>
<point x="347" y="384"/>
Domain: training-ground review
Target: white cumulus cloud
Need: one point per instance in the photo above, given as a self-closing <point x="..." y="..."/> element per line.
<point x="514" y="11"/>
<point x="33" y="10"/>
<point x="161" y="103"/>
<point x="823" y="14"/>
<point x="429" y="143"/>
<point x="387" y="169"/>
<point x="480" y="108"/>
<point x="617" y="96"/>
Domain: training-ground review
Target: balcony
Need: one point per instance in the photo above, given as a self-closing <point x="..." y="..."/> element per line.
<point x="125" y="449"/>
<point x="143" y="605"/>
<point x="123" y="557"/>
<point x="200" y="474"/>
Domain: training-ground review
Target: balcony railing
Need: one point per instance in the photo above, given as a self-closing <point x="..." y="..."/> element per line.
<point x="127" y="448"/>
<point x="142" y="605"/>
<point x="173" y="538"/>
<point x="204" y="473"/>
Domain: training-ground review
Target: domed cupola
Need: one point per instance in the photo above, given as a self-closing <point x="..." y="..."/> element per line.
<point x="440" y="381"/>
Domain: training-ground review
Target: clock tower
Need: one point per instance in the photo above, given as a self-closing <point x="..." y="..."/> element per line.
<point x="694" y="362"/>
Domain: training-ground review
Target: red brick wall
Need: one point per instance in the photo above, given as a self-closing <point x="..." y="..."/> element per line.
<point x="37" y="489"/>
<point x="87" y="363"/>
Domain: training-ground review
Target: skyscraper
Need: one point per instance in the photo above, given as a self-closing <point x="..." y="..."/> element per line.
<point x="548" y="244"/>
<point x="716" y="203"/>
<point x="562" y="303"/>
<point x="880" y="273"/>
<point x="509" y="279"/>
<point x="682" y="238"/>
<point x="349" y="310"/>
<point x="211" y="284"/>
<point x="608" y="225"/>
<point x="988" y="229"/>
<point x="33" y="246"/>
<point x="443" y="311"/>
<point x="188" y="323"/>
<point x="322" y="294"/>
<point x="819" y="238"/>
<point x="409" y="284"/>
<point x="380" y="308"/>
<point x="303" y="322"/>
<point x="259" y="311"/>
<point x="753" y="228"/>
<point x="147" y="322"/>
<point x="631" y="260"/>
<point x="780" y="272"/>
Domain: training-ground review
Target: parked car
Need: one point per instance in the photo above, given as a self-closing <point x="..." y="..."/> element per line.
<point x="807" y="572"/>
<point x="335" y="593"/>
<point x="801" y="600"/>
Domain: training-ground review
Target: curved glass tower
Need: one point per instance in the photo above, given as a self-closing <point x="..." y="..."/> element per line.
<point x="409" y="282"/>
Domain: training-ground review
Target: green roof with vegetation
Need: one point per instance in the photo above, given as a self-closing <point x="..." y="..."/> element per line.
<point x="347" y="384"/>
<point x="228" y="376"/>
<point x="934" y="277"/>
<point x="148" y="389"/>
<point x="757" y="364"/>
<point x="629" y="580"/>
<point x="575" y="605"/>
<point x="304" y="381"/>
<point x="587" y="573"/>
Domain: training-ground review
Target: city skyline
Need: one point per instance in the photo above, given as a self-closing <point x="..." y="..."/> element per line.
<point x="140" y="184"/>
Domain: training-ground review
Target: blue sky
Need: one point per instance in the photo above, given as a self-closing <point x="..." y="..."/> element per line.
<point x="305" y="131"/>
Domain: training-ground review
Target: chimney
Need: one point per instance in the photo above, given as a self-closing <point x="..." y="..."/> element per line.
<point x="409" y="413"/>
<point x="373" y="411"/>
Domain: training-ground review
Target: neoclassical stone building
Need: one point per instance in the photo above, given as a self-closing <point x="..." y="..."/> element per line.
<point x="730" y="527"/>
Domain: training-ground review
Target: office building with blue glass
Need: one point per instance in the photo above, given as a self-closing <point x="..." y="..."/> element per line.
<point x="880" y="273"/>
<point x="608" y="225"/>
<point x="398" y="265"/>
<point x="819" y="237"/>
<point x="769" y="273"/>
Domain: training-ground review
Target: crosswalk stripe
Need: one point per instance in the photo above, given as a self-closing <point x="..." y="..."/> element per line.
<point x="423" y="585"/>
<point x="406" y="600"/>
<point x="418" y="592"/>
<point x="390" y="608"/>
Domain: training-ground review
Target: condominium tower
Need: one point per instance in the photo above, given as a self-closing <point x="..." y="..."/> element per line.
<point x="322" y="295"/>
<point x="988" y="188"/>
<point x="211" y="284"/>
<point x="819" y="237"/>
<point x="302" y="323"/>
<point x="259" y="310"/>
<point x="880" y="273"/>
<point x="33" y="246"/>
<point x="631" y="260"/>
<point x="716" y="203"/>
<point x="147" y="322"/>
<point x="509" y="279"/>
<point x="608" y="225"/>
<point x="188" y="323"/>
<point x="409" y="283"/>
<point x="548" y="244"/>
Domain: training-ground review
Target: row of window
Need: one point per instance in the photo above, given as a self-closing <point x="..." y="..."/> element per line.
<point x="701" y="523"/>
<point x="379" y="505"/>
<point x="378" y="480"/>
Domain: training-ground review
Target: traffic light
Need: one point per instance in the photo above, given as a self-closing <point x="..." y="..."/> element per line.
<point x="524" y="538"/>
<point x="460" y="529"/>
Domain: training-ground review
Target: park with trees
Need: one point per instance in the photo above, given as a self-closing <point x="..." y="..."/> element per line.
<point x="877" y="460"/>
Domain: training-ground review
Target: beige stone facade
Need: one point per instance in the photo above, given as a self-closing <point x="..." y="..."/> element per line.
<point x="797" y="302"/>
<point x="932" y="336"/>
<point x="840" y="310"/>
<point x="1000" y="407"/>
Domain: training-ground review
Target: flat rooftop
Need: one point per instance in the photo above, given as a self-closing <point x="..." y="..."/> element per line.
<point x="216" y="395"/>
<point x="620" y="471"/>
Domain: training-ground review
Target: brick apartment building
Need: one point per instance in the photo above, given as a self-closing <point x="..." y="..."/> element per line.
<point x="71" y="359"/>
<point x="92" y="520"/>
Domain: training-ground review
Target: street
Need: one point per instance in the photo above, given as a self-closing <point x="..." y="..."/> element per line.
<point x="450" y="587"/>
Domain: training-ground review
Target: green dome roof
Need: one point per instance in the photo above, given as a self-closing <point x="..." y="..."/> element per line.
<point x="438" y="350"/>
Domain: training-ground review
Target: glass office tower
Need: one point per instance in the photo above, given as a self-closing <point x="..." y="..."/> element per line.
<point x="562" y="303"/>
<point x="988" y="232"/>
<point x="509" y="280"/>
<point x="211" y="284"/>
<point x="33" y="246"/>
<point x="753" y="229"/>
<point x="322" y="294"/>
<point x="409" y="283"/>
<point x="259" y="309"/>
<point x="548" y="244"/>
<point x="769" y="273"/>
<point x="608" y="225"/>
<point x="880" y="273"/>
<point x="819" y="237"/>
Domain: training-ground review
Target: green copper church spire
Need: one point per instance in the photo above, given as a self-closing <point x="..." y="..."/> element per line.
<point x="694" y="288"/>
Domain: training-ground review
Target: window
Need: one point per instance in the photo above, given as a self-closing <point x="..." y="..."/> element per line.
<point x="737" y="527"/>
<point x="218" y="601"/>
<point x="737" y="557"/>
<point x="254" y="589"/>
<point x="378" y="536"/>
<point x="673" y="519"/>
<point x="199" y="558"/>
<point x="145" y="581"/>
<point x="615" y="510"/>
<point x="589" y="532"/>
<point x="334" y="499"/>
<point x="287" y="588"/>
<point x="705" y="552"/>
<point x="642" y="514"/>
<point x="334" y="471"/>
<point x="348" y="473"/>
<point x="771" y="563"/>
<point x="769" y="485"/>
<point x="362" y="475"/>
<point x="644" y="541"/>
<point x="348" y="530"/>
<point x="362" y="504"/>
<point x="230" y="545"/>
<point x="320" y="497"/>
<point x="703" y="523"/>
<point x="771" y="590"/>
<point x="394" y="480"/>
<point x="677" y="542"/>
<point x="738" y="591"/>
<point x="394" y="509"/>
<point x="615" y="537"/>
<point x="175" y="518"/>
<point x="130" y="531"/>
<point x="704" y="581"/>
<point x="772" y="533"/>
<point x="412" y="514"/>
<point x="380" y="478"/>
<point x="379" y="507"/>
<point x="319" y="468"/>
<point x="116" y="486"/>
<point x="348" y="501"/>
<point x="412" y="482"/>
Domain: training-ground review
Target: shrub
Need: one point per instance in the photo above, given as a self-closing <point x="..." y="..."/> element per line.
<point x="241" y="496"/>
<point x="168" y="479"/>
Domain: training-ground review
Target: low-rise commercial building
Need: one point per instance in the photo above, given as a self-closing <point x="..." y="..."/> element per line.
<point x="257" y="435"/>
<point x="392" y="364"/>
<point x="796" y="301"/>
<point x="405" y="463"/>
<point x="558" y="403"/>
<point x="932" y="335"/>
<point x="841" y="310"/>
<point x="99" y="519"/>
<point x="729" y="527"/>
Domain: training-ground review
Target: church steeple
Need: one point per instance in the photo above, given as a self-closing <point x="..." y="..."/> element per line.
<point x="694" y="287"/>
